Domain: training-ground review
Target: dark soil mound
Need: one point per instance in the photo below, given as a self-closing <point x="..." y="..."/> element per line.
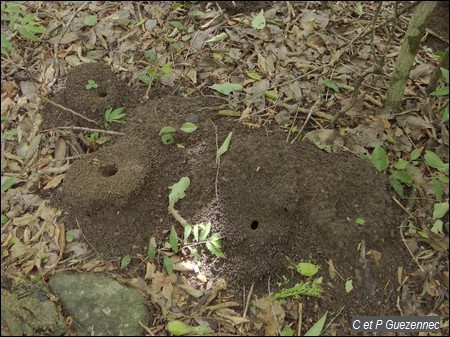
<point x="275" y="201"/>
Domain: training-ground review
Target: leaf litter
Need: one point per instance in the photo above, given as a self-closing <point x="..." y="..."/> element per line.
<point x="291" y="58"/>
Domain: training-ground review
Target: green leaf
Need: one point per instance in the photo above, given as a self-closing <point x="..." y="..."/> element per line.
<point x="215" y="250"/>
<point x="271" y="94"/>
<point x="253" y="75"/>
<point x="440" y="92"/>
<point x="194" y="252"/>
<point x="187" y="232"/>
<point x="218" y="38"/>
<point x="438" y="227"/>
<point x="5" y="219"/>
<point x="224" y="147"/>
<point x="287" y="331"/>
<point x="397" y="186"/>
<point x="401" y="165"/>
<point x="379" y="158"/>
<point x="27" y="34"/>
<point x="151" y="55"/>
<point x="331" y="84"/>
<point x="205" y="231"/>
<point x="360" y="221"/>
<point x="438" y="190"/>
<point x="196" y="13"/>
<point x="230" y="113"/>
<point x="5" y="44"/>
<point x="259" y="22"/>
<point x="167" y="139"/>
<point x="226" y="88"/>
<point x="214" y="237"/>
<point x="176" y="24"/>
<point x="439" y="210"/>
<point x="444" y="117"/>
<point x="445" y="74"/>
<point x="178" y="190"/>
<point x="168" y="264"/>
<point x="69" y="237"/>
<point x="402" y="176"/>
<point x="173" y="239"/>
<point x="188" y="127"/>
<point x="90" y="20"/>
<point x="8" y="183"/>
<point x="307" y="269"/>
<point x="349" y="286"/>
<point x="179" y="328"/>
<point x="167" y="129"/>
<point x="415" y="154"/>
<point x="433" y="160"/>
<point x="196" y="227"/>
<point x="151" y="251"/>
<point x="316" y="329"/>
<point x="125" y="261"/>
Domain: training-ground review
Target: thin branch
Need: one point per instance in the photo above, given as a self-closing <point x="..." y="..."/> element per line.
<point x="86" y="129"/>
<point x="84" y="236"/>
<point x="70" y="110"/>
<point x="315" y="107"/>
<point x="216" y="182"/>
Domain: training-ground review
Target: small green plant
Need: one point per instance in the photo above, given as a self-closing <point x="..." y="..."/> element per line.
<point x="91" y="85"/>
<point x="302" y="288"/>
<point x="19" y="22"/>
<point x="96" y="138"/>
<point x="114" y="116"/>
<point x="443" y="91"/>
<point x="167" y="132"/>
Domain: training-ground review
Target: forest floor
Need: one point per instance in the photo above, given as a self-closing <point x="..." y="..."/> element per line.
<point x="80" y="192"/>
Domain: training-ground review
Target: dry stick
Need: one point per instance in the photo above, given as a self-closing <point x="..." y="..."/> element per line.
<point x="216" y="182"/>
<point x="70" y="110"/>
<point x="250" y="292"/>
<point x="329" y="324"/>
<point x="64" y="31"/>
<point x="91" y="130"/>
<point x="376" y="69"/>
<point x="407" y="209"/>
<point x="300" y="313"/>
<point x="57" y="159"/>
<point x="84" y="236"/>
<point x="313" y="108"/>
<point x="271" y="307"/>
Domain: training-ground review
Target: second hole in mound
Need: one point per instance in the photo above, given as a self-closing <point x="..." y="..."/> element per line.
<point x="109" y="170"/>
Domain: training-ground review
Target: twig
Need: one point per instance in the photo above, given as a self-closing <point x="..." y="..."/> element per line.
<point x="291" y="128"/>
<point x="216" y="182"/>
<point x="55" y="160"/>
<point x="271" y="307"/>
<point x="250" y="292"/>
<point x="313" y="108"/>
<point x="407" y="209"/>
<point x="300" y="313"/>
<point x="86" y="129"/>
<point x="84" y="236"/>
<point x="70" y="110"/>
<point x="333" y="319"/>
<point x="66" y="27"/>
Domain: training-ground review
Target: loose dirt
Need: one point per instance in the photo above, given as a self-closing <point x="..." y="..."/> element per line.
<point x="275" y="201"/>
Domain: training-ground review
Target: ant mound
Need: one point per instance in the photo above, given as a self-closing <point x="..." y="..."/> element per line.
<point x="275" y="204"/>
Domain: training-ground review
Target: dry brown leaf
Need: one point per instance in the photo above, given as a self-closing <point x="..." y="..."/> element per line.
<point x="331" y="269"/>
<point x="376" y="256"/>
<point x="55" y="181"/>
<point x="60" y="151"/>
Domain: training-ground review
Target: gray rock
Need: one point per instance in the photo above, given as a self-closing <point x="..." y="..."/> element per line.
<point x="99" y="305"/>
